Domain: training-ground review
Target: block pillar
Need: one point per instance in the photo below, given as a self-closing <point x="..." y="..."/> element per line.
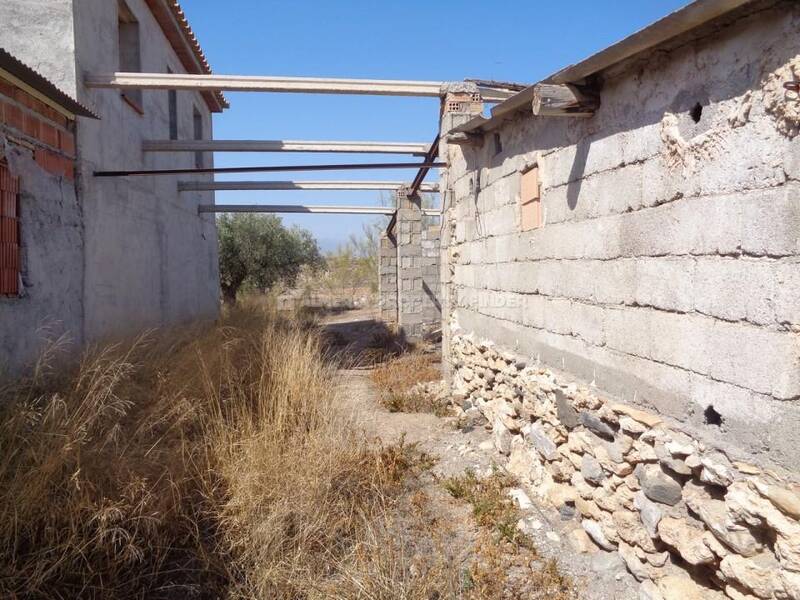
<point x="410" y="315"/>
<point x="461" y="102"/>
<point x="387" y="276"/>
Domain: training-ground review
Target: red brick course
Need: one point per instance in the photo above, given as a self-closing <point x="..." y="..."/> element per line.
<point x="48" y="130"/>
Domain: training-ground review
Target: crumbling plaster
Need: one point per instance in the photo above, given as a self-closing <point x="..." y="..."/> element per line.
<point x="666" y="271"/>
<point x="147" y="258"/>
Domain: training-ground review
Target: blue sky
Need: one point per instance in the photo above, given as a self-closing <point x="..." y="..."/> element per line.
<point x="440" y="40"/>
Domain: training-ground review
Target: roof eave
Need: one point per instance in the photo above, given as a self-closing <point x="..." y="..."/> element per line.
<point x="674" y="24"/>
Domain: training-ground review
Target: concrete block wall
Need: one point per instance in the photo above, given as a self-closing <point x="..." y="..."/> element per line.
<point x="387" y="277"/>
<point x="409" y="287"/>
<point x="666" y="270"/>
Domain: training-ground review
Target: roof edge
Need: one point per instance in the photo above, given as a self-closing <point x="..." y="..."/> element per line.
<point x="21" y="74"/>
<point x="668" y="27"/>
<point x="173" y="22"/>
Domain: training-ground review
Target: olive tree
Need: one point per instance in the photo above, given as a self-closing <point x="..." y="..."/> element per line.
<point x="258" y="251"/>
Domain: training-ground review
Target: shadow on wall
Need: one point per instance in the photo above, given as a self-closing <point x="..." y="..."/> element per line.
<point x="684" y="93"/>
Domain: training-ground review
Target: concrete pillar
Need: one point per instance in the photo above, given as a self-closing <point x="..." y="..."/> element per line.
<point x="461" y="103"/>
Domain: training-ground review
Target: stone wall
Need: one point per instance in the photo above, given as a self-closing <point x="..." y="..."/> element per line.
<point x="688" y="521"/>
<point x="666" y="270"/>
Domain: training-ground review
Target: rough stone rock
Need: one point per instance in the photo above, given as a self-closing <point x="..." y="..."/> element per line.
<point x="640" y="570"/>
<point x="579" y="483"/>
<point x="688" y="541"/>
<point x="466" y="374"/>
<point x="735" y="594"/>
<point x="581" y="542"/>
<point x="715" y="545"/>
<point x="630" y="425"/>
<point x="682" y="587"/>
<point x="525" y="465"/>
<point x="536" y="435"/>
<point x="786" y="500"/>
<point x="589" y="509"/>
<point x="559" y="494"/>
<point x="630" y="529"/>
<point x="654" y="559"/>
<point x="579" y="442"/>
<point x="605" y="499"/>
<point x="747" y="506"/>
<point x="758" y="574"/>
<point x="595" y="531"/>
<point x="637" y="415"/>
<point x="641" y="453"/>
<point x="717" y="469"/>
<point x="595" y="424"/>
<point x="625" y="497"/>
<point x="632" y="482"/>
<point x="607" y="563"/>
<point x="562" y="470"/>
<point x="649" y="513"/>
<point x="676" y="465"/>
<point x="693" y="461"/>
<point x="502" y="437"/>
<point x="591" y="470"/>
<point x="521" y="498"/>
<point x="566" y="414"/>
<point x="680" y="444"/>
<point x="658" y="485"/>
<point x="791" y="583"/>
<point x="649" y="591"/>
<point x="714" y="514"/>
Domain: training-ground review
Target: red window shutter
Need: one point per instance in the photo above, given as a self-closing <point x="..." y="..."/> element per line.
<point x="9" y="233"/>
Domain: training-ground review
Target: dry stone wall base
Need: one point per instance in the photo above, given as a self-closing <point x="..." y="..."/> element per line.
<point x="686" y="520"/>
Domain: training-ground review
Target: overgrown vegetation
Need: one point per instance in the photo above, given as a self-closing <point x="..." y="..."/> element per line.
<point x="206" y="463"/>
<point x="397" y="381"/>
<point x="506" y="563"/>
<point x="257" y="251"/>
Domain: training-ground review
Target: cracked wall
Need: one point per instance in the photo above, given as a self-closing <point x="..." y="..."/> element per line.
<point x="145" y="257"/>
<point x="667" y="271"/>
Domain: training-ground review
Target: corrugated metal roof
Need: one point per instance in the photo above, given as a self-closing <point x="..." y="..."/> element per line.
<point x="35" y="80"/>
<point x="176" y="28"/>
<point x="677" y="23"/>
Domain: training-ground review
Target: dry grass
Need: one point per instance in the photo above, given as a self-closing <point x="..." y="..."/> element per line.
<point x="396" y="378"/>
<point x="506" y="564"/>
<point x="205" y="463"/>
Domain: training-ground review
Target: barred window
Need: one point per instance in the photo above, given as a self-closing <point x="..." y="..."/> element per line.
<point x="9" y="233"/>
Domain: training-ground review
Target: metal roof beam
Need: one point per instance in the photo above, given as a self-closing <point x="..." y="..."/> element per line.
<point x="205" y="186"/>
<point x="412" y="148"/>
<point x="304" y="85"/>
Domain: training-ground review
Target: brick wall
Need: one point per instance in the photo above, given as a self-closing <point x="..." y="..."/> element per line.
<point x="46" y="132"/>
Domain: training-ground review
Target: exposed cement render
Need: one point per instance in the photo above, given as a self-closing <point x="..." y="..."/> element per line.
<point x="667" y="270"/>
<point x="148" y="258"/>
<point x="52" y="265"/>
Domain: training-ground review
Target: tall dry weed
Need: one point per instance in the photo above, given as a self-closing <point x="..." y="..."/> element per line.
<point x="204" y="462"/>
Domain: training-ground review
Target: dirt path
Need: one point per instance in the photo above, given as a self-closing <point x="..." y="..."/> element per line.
<point x="599" y="575"/>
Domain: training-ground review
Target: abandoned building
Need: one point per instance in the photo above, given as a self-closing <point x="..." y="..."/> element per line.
<point x="102" y="257"/>
<point x="632" y="224"/>
<point x="614" y="268"/>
